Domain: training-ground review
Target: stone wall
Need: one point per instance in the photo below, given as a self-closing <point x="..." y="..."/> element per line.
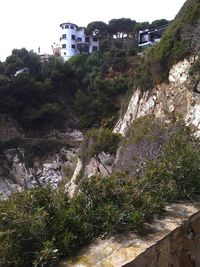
<point x="118" y="250"/>
<point x="181" y="248"/>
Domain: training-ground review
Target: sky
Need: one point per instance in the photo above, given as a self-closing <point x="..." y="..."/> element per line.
<point x="35" y="23"/>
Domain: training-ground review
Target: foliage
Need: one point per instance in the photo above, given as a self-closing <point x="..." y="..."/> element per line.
<point x="97" y="28"/>
<point x="55" y="93"/>
<point x="43" y="94"/>
<point x="23" y="227"/>
<point x="41" y="226"/>
<point x="121" y="27"/>
<point x="143" y="142"/>
<point x="175" y="44"/>
<point x="143" y="78"/>
<point x="158" y="23"/>
<point x="164" y="157"/>
<point x="175" y="175"/>
<point x="96" y="98"/>
<point x="21" y="58"/>
<point x="97" y="141"/>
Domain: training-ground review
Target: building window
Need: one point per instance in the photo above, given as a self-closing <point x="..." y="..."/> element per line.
<point x="71" y="27"/>
<point x="73" y="37"/>
<point x="64" y="53"/>
<point x="63" y="27"/>
<point x="64" y="36"/>
<point x="79" y="39"/>
<point x="64" y="46"/>
<point x="73" y="46"/>
<point x="66" y="26"/>
<point x="94" y="48"/>
<point x="94" y="39"/>
<point x="87" y="39"/>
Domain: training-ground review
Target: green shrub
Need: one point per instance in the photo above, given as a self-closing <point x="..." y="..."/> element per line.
<point x="23" y="225"/>
<point x="143" y="142"/>
<point x="97" y="141"/>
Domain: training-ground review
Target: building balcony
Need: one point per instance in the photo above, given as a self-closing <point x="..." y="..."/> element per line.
<point x="82" y="42"/>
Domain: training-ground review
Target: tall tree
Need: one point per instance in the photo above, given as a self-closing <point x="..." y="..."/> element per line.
<point x="121" y="27"/>
<point x="22" y="58"/>
<point x="139" y="26"/>
<point x="97" y="28"/>
<point x="159" y="23"/>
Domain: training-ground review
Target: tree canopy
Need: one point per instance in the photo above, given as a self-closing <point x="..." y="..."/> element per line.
<point x="121" y="27"/>
<point x="97" y="28"/>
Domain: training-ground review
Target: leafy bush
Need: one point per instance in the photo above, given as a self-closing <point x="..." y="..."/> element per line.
<point x="40" y="226"/>
<point x="23" y="227"/>
<point x="176" y="172"/>
<point x="163" y="157"/>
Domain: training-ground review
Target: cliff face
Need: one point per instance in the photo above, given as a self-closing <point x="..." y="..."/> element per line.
<point x="31" y="159"/>
<point x="17" y="174"/>
<point x="175" y="99"/>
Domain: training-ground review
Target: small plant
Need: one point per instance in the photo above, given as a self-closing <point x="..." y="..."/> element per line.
<point x="97" y="141"/>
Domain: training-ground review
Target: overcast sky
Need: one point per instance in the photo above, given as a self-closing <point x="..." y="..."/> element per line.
<point x="34" y="23"/>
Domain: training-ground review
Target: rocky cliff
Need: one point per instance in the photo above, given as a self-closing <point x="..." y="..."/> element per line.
<point x="29" y="162"/>
<point x="179" y="98"/>
<point x="17" y="174"/>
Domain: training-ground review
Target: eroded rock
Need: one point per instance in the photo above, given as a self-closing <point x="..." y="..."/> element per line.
<point x="166" y="101"/>
<point x="17" y="175"/>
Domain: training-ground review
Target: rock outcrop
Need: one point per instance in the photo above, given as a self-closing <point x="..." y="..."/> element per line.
<point x="102" y="165"/>
<point x="17" y="175"/>
<point x="178" y="98"/>
<point x="71" y="187"/>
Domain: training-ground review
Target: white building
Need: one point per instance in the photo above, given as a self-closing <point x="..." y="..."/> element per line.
<point x="150" y="37"/>
<point x="74" y="41"/>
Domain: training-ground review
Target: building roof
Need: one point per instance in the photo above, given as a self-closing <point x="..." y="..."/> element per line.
<point x="68" y="23"/>
<point x="160" y="28"/>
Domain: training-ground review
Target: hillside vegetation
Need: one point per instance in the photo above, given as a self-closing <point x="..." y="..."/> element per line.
<point x="180" y="40"/>
<point x="41" y="226"/>
<point x="158" y="162"/>
<point x="88" y="90"/>
<point x="85" y="92"/>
